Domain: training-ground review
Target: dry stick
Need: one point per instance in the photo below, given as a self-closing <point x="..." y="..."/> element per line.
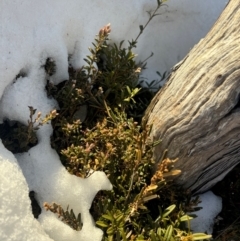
<point x="149" y="20"/>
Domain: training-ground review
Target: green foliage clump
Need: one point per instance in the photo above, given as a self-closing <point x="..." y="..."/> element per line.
<point x="115" y="86"/>
<point x="116" y="141"/>
<point x="111" y="138"/>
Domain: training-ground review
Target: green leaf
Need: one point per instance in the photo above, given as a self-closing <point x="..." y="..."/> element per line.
<point x="108" y="217"/>
<point x="200" y="236"/>
<point x="123" y="235"/>
<point x="159" y="232"/>
<point x="119" y="217"/>
<point x="128" y="90"/>
<point x="168" y="234"/>
<point x="185" y="218"/>
<point x="143" y="207"/>
<point x="156" y="143"/>
<point x="153" y="236"/>
<point x="88" y="62"/>
<point x="102" y="224"/>
<point x="110" y="231"/>
<point x="168" y="210"/>
<point x="135" y="224"/>
<point x="146" y="199"/>
<point x="110" y="238"/>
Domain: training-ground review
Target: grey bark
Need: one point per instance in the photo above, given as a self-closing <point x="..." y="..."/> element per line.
<point x="197" y="113"/>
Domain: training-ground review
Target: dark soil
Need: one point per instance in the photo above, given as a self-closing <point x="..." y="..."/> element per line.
<point x="227" y="225"/>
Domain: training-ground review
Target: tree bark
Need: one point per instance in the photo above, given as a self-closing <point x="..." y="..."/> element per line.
<point x="197" y="113"/>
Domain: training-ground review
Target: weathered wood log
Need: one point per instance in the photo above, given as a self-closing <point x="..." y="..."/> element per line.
<point x="197" y="113"/>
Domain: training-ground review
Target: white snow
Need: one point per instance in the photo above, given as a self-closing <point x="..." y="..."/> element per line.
<point x="32" y="31"/>
<point x="16" y="219"/>
<point x="211" y="207"/>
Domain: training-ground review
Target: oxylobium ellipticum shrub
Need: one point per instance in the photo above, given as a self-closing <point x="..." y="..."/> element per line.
<point x="98" y="127"/>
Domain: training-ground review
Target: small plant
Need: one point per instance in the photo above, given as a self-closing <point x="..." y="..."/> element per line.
<point x="115" y="143"/>
<point x="68" y="217"/>
<point x="19" y="138"/>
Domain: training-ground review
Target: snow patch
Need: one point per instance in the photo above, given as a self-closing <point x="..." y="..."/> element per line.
<point x="16" y="220"/>
<point x="211" y="207"/>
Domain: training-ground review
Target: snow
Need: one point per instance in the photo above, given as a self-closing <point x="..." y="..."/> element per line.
<point x="32" y="31"/>
<point x="211" y="207"/>
<point x="16" y="219"/>
<point x="44" y="172"/>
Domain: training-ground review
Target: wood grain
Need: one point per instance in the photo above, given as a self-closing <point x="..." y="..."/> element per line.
<point x="197" y="113"/>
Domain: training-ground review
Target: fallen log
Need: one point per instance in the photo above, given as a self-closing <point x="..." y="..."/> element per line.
<point x="197" y="113"/>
